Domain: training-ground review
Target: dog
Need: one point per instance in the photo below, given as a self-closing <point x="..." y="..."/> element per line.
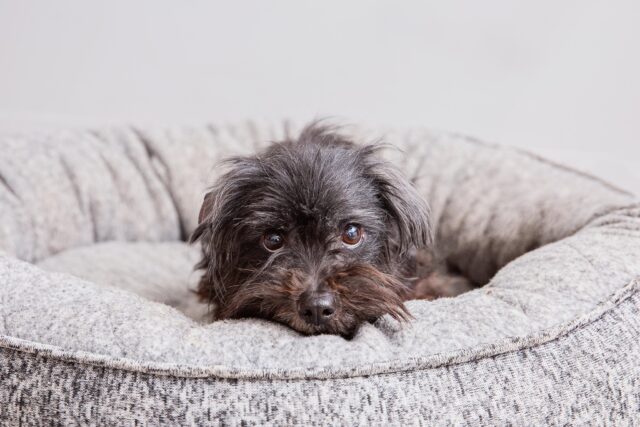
<point x="318" y="233"/>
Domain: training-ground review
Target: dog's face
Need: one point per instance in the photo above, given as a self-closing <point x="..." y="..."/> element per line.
<point x="312" y="233"/>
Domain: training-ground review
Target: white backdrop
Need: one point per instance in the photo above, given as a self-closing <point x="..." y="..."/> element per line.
<point x="558" y="78"/>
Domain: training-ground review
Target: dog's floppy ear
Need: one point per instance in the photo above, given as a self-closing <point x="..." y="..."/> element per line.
<point x="209" y="286"/>
<point x="409" y="214"/>
<point x="217" y="230"/>
<point x="207" y="206"/>
<point x="205" y="212"/>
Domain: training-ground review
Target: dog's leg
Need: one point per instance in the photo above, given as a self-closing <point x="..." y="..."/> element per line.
<point x="434" y="280"/>
<point x="438" y="285"/>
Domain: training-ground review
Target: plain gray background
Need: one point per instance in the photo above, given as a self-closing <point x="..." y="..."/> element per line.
<point x="557" y="78"/>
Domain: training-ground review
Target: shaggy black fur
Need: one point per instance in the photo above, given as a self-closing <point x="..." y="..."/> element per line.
<point x="302" y="196"/>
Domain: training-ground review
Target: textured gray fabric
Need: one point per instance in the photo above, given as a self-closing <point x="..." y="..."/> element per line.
<point x="62" y="191"/>
<point x="161" y="272"/>
<point x="552" y="339"/>
<point x="585" y="373"/>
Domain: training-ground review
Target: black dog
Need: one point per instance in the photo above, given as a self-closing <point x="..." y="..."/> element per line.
<point x="317" y="233"/>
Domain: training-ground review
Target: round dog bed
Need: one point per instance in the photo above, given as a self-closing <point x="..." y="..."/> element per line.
<point x="98" y="324"/>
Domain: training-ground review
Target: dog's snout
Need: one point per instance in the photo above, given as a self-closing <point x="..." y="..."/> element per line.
<point x="317" y="308"/>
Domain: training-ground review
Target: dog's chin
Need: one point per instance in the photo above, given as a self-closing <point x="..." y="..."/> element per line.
<point x="347" y="326"/>
<point x="344" y="324"/>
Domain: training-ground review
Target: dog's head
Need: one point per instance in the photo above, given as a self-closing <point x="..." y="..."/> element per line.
<point x="313" y="233"/>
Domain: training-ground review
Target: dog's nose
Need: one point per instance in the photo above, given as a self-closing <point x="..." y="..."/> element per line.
<point x="317" y="308"/>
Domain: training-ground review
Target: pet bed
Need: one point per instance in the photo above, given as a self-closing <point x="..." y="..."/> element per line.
<point x="98" y="326"/>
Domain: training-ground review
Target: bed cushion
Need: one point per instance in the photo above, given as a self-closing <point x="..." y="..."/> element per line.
<point x="96" y="279"/>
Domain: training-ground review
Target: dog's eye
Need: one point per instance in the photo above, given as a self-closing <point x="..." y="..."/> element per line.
<point x="272" y="241"/>
<point x="352" y="234"/>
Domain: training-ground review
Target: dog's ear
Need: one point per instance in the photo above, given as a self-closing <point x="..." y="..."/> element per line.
<point x="207" y="206"/>
<point x="208" y="287"/>
<point x="218" y="230"/>
<point x="408" y="212"/>
<point x="223" y="202"/>
<point x="205" y="212"/>
<point x="214" y="235"/>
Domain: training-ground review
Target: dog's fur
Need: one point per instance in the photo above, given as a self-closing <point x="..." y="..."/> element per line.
<point x="308" y="190"/>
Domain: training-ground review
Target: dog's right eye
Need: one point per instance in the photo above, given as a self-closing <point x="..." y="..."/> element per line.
<point x="352" y="235"/>
<point x="272" y="241"/>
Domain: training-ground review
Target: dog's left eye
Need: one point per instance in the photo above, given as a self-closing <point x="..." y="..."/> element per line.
<point x="352" y="234"/>
<point x="272" y="241"/>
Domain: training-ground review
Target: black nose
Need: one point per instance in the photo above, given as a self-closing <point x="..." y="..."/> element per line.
<point x="317" y="308"/>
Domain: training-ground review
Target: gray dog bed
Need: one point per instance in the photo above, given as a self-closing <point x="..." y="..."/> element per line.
<point x="98" y="326"/>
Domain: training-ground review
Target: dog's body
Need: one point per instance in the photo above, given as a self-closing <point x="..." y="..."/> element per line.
<point x="317" y="233"/>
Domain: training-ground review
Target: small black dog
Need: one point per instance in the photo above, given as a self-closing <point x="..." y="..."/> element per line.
<point x="317" y="233"/>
